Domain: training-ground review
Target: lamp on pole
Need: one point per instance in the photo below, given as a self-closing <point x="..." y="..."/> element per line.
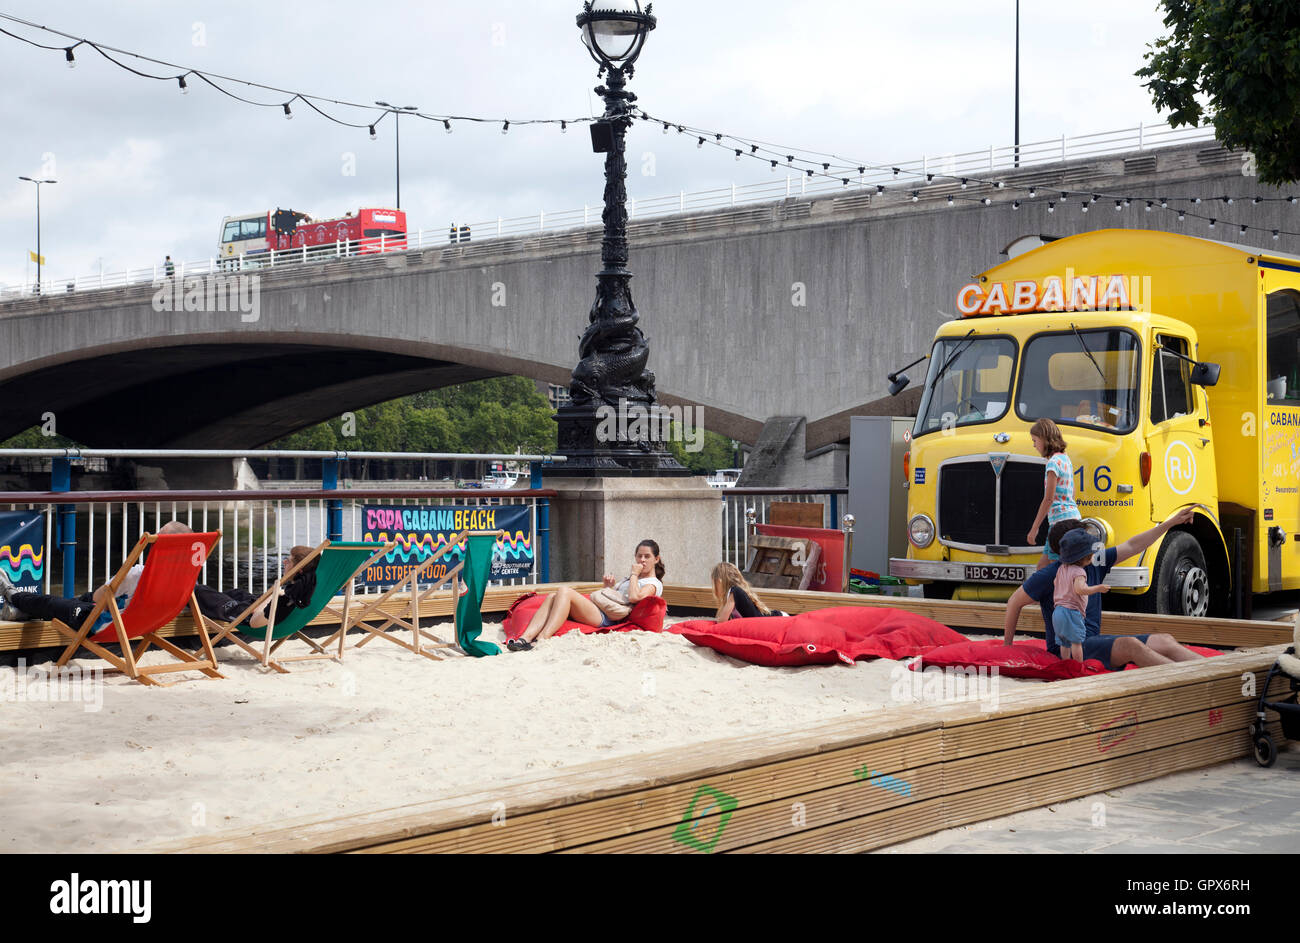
<point x="38" y="226"/>
<point x="612" y="426"/>
<point x="397" y="120"/>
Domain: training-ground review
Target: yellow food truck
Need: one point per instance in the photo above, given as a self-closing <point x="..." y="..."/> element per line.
<point x="1171" y="365"/>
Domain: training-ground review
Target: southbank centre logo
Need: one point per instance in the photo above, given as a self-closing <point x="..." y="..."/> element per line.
<point x="694" y="831"/>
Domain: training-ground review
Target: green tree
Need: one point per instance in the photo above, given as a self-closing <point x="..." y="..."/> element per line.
<point x="1236" y="62"/>
<point x="33" y="438"/>
<point x="716" y="452"/>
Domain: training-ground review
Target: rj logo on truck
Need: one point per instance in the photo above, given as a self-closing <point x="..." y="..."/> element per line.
<point x="1180" y="467"/>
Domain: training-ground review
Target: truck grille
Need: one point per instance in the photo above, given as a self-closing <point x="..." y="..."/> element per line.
<point x="968" y="502"/>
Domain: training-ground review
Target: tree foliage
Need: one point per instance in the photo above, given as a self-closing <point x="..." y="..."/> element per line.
<point x="503" y="414"/>
<point x="716" y="453"/>
<point x="1237" y="63"/>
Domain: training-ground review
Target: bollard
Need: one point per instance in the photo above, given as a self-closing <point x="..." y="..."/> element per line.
<point x="847" y="526"/>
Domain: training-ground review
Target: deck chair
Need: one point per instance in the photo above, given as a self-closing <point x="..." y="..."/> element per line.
<point x="337" y="565"/>
<point x="422" y="641"/>
<point x="166" y="586"/>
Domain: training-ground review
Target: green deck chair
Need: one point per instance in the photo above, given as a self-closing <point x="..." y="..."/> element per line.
<point x="338" y="565"/>
<point x="469" y="608"/>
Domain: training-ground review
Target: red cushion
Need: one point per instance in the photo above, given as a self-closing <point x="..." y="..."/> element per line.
<point x="774" y="641"/>
<point x="840" y="633"/>
<point x="647" y="615"/>
<point x="886" y="633"/>
<point x="1013" y="661"/>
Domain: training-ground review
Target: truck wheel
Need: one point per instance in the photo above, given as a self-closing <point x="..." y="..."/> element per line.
<point x="938" y="590"/>
<point x="1180" y="585"/>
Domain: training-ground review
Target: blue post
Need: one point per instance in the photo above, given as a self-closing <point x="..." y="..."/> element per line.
<point x="61" y="481"/>
<point x="543" y="524"/>
<point x="835" y="512"/>
<point x="329" y="474"/>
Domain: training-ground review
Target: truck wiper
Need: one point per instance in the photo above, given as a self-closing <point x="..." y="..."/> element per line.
<point x="1079" y="337"/>
<point x="955" y="354"/>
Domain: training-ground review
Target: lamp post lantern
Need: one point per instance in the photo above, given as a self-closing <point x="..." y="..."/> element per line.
<point x="38" y="226"/>
<point x="612" y="426"/>
<point x="397" y="133"/>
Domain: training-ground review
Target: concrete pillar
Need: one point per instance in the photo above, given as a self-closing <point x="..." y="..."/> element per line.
<point x="596" y="524"/>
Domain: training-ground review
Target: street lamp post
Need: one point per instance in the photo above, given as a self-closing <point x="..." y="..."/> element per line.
<point x="397" y="120"/>
<point x="612" y="426"/>
<point x="38" y="226"/>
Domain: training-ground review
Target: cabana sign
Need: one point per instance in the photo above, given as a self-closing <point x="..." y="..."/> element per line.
<point x="419" y="530"/>
<point x="22" y="549"/>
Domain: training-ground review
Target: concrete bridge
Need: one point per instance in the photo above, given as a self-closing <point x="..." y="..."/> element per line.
<point x="783" y="316"/>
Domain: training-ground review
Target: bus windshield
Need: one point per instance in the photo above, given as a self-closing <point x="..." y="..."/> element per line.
<point x="974" y="387"/>
<point x="1081" y="377"/>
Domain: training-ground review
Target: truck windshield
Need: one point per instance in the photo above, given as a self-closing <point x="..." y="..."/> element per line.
<point x="975" y="387"/>
<point x="1081" y="377"/>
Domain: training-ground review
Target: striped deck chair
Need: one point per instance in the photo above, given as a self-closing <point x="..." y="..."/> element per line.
<point x="171" y="570"/>
<point x="337" y="565"/>
<point x="422" y="641"/>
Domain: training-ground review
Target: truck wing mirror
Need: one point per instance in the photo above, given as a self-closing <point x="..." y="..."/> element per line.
<point x="899" y="383"/>
<point x="1205" y="374"/>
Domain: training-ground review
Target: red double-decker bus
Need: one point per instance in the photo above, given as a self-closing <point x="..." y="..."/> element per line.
<point x="371" y="230"/>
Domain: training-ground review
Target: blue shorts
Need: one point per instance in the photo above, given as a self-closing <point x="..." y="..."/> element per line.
<point x="1068" y="625"/>
<point x="604" y="621"/>
<point x="1051" y="554"/>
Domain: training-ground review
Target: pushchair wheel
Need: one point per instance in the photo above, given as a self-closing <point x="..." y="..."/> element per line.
<point x="1265" y="750"/>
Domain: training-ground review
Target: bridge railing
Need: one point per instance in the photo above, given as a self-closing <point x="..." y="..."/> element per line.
<point x="87" y="534"/>
<point x="735" y="502"/>
<point x="784" y="185"/>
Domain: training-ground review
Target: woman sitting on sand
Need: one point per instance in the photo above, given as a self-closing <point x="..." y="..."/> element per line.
<point x="736" y="599"/>
<point x="644" y="580"/>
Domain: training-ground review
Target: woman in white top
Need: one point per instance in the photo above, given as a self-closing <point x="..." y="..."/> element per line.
<point x="645" y="579"/>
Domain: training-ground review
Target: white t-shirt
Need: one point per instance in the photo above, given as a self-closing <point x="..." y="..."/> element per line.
<point x="130" y="581"/>
<point x="623" y="587"/>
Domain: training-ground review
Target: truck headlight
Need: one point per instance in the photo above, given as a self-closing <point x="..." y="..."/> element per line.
<point x="920" y="530"/>
<point x="1101" y="530"/>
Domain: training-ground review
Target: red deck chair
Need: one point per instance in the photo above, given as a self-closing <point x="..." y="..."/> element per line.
<point x="166" y="587"/>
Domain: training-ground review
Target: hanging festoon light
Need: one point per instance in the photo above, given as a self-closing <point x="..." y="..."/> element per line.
<point x="373" y="135"/>
<point x="184" y="88"/>
<point x="446" y="125"/>
<point x="288" y="114"/>
<point x="72" y="60"/>
<point x="505" y="127"/>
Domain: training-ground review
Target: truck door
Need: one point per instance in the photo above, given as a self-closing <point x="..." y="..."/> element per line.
<point x="1182" y="455"/>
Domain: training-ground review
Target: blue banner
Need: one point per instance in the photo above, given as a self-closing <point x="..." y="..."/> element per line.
<point x="418" y="530"/>
<point x="22" y="549"/>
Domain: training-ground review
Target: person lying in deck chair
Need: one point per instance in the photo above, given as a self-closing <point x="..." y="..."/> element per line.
<point x="1113" y="651"/>
<point x="24" y="607"/>
<point x="228" y="604"/>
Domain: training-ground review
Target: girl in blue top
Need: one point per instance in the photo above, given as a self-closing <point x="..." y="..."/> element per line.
<point x="1058" y="483"/>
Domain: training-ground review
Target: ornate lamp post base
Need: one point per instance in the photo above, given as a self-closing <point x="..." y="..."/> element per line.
<point x="590" y="437"/>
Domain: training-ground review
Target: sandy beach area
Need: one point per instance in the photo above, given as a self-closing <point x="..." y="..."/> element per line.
<point x="153" y="766"/>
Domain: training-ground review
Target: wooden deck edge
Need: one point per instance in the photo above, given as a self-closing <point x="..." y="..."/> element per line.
<point x="585" y="787"/>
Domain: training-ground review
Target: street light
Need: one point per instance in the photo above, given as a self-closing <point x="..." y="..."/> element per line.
<point x="397" y="120"/>
<point x="38" y="226"/>
<point x="611" y="373"/>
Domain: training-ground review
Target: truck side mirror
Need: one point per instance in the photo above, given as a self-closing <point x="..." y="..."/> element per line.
<point x="898" y="384"/>
<point x="1205" y="374"/>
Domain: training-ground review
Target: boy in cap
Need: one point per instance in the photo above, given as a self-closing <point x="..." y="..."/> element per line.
<point x="1070" y="587"/>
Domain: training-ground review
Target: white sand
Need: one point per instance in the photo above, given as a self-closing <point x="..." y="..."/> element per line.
<point x="384" y="728"/>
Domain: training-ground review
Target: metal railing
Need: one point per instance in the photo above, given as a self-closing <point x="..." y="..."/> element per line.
<point x="735" y="501"/>
<point x="258" y="528"/>
<point x="972" y="163"/>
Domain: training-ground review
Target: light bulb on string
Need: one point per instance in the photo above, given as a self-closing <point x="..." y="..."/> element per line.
<point x="1051" y="207"/>
<point x="373" y="136"/>
<point x="446" y="125"/>
<point x="915" y="196"/>
<point x="564" y="127"/>
<point x="1084" y="207"/>
<point x="738" y="155"/>
<point x="72" y="60"/>
<point x="1212" y="223"/>
<point x="1148" y="207"/>
<point x="1227" y="201"/>
<point x="963" y="183"/>
<point x="950" y="199"/>
<point x="1243" y="229"/>
<point x="880" y="188"/>
<point x="700" y="145"/>
<point x="505" y="127"/>
<point x="1015" y="204"/>
<point x="184" y="88"/>
<point x="1182" y="215"/>
<point x="1275" y="235"/>
<point x="986" y="201"/>
<point x="665" y="127"/>
<point x="1164" y="204"/>
<point x="1033" y="192"/>
<point x="288" y="115"/>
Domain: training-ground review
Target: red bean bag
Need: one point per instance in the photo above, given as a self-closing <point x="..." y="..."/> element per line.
<point x="647" y="615"/>
<point x="881" y="632"/>
<point x="774" y="641"/>
<point x="1027" y="658"/>
<point x="823" y="636"/>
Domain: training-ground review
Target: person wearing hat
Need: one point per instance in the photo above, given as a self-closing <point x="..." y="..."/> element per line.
<point x="1069" y="589"/>
<point x="1113" y="651"/>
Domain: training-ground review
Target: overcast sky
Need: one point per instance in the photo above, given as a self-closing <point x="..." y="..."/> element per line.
<point x="144" y="171"/>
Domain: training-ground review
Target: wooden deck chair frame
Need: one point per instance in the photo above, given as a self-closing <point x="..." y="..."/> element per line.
<point x="230" y="629"/>
<point x="128" y="663"/>
<point x="271" y="645"/>
<point x="422" y="642"/>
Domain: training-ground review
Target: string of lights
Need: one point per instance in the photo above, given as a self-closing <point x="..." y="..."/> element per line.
<point x="212" y="79"/>
<point x="844" y="171"/>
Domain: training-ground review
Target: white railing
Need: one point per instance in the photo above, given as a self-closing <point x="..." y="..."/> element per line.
<point x="257" y="532"/>
<point x="979" y="163"/>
